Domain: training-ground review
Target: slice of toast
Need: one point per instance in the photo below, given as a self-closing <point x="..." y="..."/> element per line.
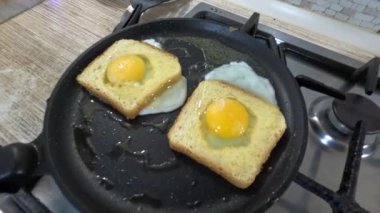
<point x="162" y="70"/>
<point x="238" y="164"/>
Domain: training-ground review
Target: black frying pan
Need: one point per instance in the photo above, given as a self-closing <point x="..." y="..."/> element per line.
<point x="105" y="163"/>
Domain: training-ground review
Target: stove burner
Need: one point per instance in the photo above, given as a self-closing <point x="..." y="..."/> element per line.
<point x="331" y="132"/>
<point x="354" y="108"/>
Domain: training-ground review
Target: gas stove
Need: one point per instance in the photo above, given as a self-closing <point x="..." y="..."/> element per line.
<point x="333" y="125"/>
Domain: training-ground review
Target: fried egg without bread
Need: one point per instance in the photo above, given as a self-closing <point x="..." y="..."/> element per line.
<point x="172" y="98"/>
<point x="240" y="74"/>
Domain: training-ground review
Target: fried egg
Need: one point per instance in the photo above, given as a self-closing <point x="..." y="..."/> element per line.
<point x="125" y="68"/>
<point x="227" y="118"/>
<point x="173" y="97"/>
<point x="227" y="122"/>
<point x="240" y="74"/>
<point x="133" y="68"/>
<point x="153" y="42"/>
<point x="170" y="100"/>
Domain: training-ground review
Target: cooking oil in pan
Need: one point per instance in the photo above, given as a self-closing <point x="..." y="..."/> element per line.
<point x="225" y="199"/>
<point x="112" y="115"/>
<point x="215" y="53"/>
<point x="141" y="157"/>
<point x="165" y="165"/>
<point x="194" y="183"/>
<point x="89" y="108"/>
<point x="194" y="204"/>
<point x="197" y="71"/>
<point x="180" y="52"/>
<point x="144" y="199"/>
<point x="105" y="182"/>
<point x="162" y="124"/>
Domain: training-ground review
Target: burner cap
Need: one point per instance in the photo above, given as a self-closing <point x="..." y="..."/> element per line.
<point x="355" y="108"/>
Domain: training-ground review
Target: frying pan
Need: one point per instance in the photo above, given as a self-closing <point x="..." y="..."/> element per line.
<point x="105" y="163"/>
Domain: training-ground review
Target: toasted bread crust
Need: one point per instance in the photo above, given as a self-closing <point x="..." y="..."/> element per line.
<point x="145" y="100"/>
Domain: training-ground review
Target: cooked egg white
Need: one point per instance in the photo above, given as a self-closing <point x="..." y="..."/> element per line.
<point x="240" y="74"/>
<point x="153" y="42"/>
<point x="169" y="100"/>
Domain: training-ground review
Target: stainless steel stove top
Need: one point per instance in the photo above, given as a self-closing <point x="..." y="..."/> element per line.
<point x="322" y="162"/>
<point x="325" y="164"/>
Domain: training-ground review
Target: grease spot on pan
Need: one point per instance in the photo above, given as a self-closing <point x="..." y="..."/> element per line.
<point x="105" y="182"/>
<point x="144" y="199"/>
<point x="194" y="204"/>
<point x="141" y="157"/>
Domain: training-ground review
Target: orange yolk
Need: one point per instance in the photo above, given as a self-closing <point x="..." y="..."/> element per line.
<point x="125" y="68"/>
<point x="227" y="118"/>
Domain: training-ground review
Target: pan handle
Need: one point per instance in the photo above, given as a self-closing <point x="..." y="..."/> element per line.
<point x="18" y="164"/>
<point x="139" y="6"/>
<point x="129" y="18"/>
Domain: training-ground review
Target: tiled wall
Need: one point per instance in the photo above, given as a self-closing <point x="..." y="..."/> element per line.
<point x="362" y="13"/>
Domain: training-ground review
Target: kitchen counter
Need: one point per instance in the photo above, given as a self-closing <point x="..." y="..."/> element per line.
<point x="37" y="46"/>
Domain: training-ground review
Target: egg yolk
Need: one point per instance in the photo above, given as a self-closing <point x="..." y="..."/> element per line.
<point x="227" y="118"/>
<point x="125" y="68"/>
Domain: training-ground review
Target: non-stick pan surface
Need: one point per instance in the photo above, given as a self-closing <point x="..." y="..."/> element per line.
<point x="105" y="163"/>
